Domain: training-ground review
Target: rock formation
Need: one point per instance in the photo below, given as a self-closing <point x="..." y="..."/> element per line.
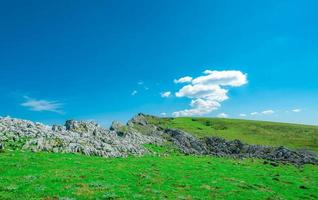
<point x="74" y="137"/>
<point x="122" y="140"/>
<point x="220" y="147"/>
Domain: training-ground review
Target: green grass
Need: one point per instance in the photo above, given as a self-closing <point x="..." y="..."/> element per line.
<point x="252" y="132"/>
<point x="25" y="175"/>
<point x="163" y="150"/>
<point x="167" y="173"/>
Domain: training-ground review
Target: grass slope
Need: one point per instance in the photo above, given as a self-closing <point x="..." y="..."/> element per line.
<point x="25" y="175"/>
<point x="252" y="132"/>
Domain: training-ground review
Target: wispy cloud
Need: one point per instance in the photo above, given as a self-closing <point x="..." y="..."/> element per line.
<point x="141" y="85"/>
<point x="185" y="79"/>
<point x="268" y="112"/>
<point x="242" y="115"/>
<point x="297" y="110"/>
<point x="165" y="94"/>
<point x="43" y="105"/>
<point x="135" y="92"/>
<point x="223" y="115"/>
<point x="207" y="92"/>
<point x="265" y="112"/>
<point x="163" y="114"/>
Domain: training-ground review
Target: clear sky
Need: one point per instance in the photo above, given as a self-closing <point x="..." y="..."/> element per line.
<point x="108" y="60"/>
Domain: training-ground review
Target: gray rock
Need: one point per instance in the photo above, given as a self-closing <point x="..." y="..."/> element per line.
<point x="220" y="147"/>
<point x="119" y="128"/>
<point x="75" y="137"/>
<point x="187" y="143"/>
<point x="58" y="128"/>
<point x="122" y="140"/>
<point x="139" y="119"/>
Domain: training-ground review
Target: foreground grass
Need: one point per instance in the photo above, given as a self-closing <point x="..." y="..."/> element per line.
<point x="252" y="132"/>
<point x="25" y="175"/>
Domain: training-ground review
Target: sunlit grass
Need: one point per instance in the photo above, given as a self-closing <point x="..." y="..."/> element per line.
<point x="252" y="132"/>
<point x="25" y="175"/>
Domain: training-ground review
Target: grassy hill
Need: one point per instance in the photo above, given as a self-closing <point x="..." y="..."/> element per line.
<point x="166" y="173"/>
<point x="294" y="136"/>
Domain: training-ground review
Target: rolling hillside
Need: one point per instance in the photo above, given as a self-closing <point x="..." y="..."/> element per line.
<point x="164" y="171"/>
<point x="294" y="136"/>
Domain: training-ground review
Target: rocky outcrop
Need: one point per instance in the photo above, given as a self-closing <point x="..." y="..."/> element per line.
<point x="235" y="148"/>
<point x="139" y="119"/>
<point x="121" y="140"/>
<point x="216" y="146"/>
<point x="186" y="142"/>
<point x="74" y="137"/>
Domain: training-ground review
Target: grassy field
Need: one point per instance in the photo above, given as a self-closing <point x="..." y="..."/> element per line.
<point x="252" y="132"/>
<point x="25" y="175"/>
<point x="49" y="176"/>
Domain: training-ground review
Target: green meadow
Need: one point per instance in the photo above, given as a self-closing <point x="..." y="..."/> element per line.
<point x="294" y="136"/>
<point x="165" y="173"/>
<point x="25" y="175"/>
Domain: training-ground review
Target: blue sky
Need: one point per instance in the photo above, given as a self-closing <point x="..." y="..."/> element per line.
<point x="85" y="59"/>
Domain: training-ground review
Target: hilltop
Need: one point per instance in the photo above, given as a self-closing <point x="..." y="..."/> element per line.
<point x="295" y="136"/>
<point x="197" y="136"/>
<point x="157" y="158"/>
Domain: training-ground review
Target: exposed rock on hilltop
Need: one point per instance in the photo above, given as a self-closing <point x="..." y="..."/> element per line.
<point x="122" y="140"/>
<point x="220" y="147"/>
<point x="74" y="137"/>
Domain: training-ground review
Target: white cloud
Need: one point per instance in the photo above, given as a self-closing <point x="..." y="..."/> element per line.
<point x="268" y="112"/>
<point x="206" y="92"/>
<point x="265" y="112"/>
<point x="42" y="105"/>
<point x="223" y="78"/>
<point x="242" y="115"/>
<point x="212" y="92"/>
<point x="199" y="107"/>
<point x="165" y="94"/>
<point x="296" y="110"/>
<point x="223" y="115"/>
<point x="163" y="114"/>
<point x="185" y="79"/>
<point x="140" y="83"/>
<point x="133" y="93"/>
<point x="204" y="104"/>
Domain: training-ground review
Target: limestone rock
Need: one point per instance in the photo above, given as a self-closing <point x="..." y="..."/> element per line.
<point x="220" y="147"/>
<point x="74" y="137"/>
<point x="139" y="119"/>
<point x="121" y="140"/>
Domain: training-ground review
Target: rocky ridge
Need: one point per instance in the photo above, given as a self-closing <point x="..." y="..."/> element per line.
<point x="74" y="137"/>
<point x="216" y="146"/>
<point x="122" y="140"/>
